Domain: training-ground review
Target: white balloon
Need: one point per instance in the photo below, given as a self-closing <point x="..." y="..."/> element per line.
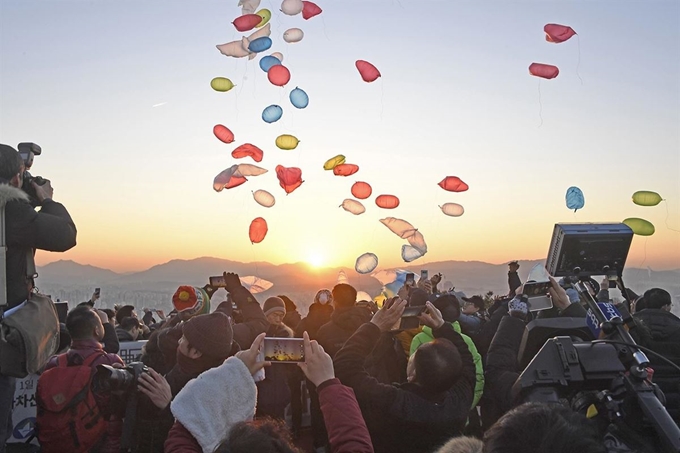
<point x="264" y="198"/>
<point x="234" y="49"/>
<point x="366" y="263"/>
<point x="248" y="6"/>
<point x="249" y="170"/>
<point x="400" y="227"/>
<point x="261" y="33"/>
<point x="417" y="241"/>
<point x="278" y="55"/>
<point x="342" y="277"/>
<point x="353" y="206"/>
<point x="363" y="295"/>
<point x="293" y="35"/>
<point x="452" y="209"/>
<point x="409" y="253"/>
<point x="255" y="284"/>
<point x="223" y="178"/>
<point x="292" y="7"/>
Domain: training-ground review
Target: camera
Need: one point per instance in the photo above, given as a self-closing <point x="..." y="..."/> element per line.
<point x="28" y="151"/>
<point x="110" y="379"/>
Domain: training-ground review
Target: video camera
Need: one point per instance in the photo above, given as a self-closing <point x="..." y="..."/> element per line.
<point x="608" y="377"/>
<point x="28" y="151"/>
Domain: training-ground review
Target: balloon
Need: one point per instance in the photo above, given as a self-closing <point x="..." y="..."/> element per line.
<point x="258" y="230"/>
<point x="342" y="277"/>
<point x="287" y="142"/>
<point x="293" y="35"/>
<point x="334" y="162"/>
<point x="363" y="296"/>
<point x="290" y="178"/>
<point x="640" y="226"/>
<point x="387" y="201"/>
<point x="248" y="150"/>
<point x="361" y="190"/>
<point x="417" y="241"/>
<point x="646" y="198"/>
<point x="247" y="22"/>
<point x="248" y="6"/>
<point x="255" y="284"/>
<point x="345" y="169"/>
<point x="264" y="198"/>
<point x="268" y="61"/>
<point x="227" y="180"/>
<point x="574" y="198"/>
<point x="409" y="253"/>
<point x="249" y="170"/>
<point x="234" y="48"/>
<point x="272" y="114"/>
<point x="558" y="33"/>
<point x="260" y="44"/>
<point x="277" y="55"/>
<point x="368" y="72"/>
<point x="453" y="184"/>
<point x="544" y="71"/>
<point x="262" y="32"/>
<point x="299" y="98"/>
<point x="278" y="75"/>
<point x="452" y="209"/>
<point x="223" y="133"/>
<point x="353" y="206"/>
<point x="310" y="10"/>
<point x="400" y="227"/>
<point x="292" y="7"/>
<point x="221" y="84"/>
<point x="266" y="15"/>
<point x="366" y="263"/>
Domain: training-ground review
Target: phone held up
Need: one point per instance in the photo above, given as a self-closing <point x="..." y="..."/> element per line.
<point x="217" y="282"/>
<point x="283" y="350"/>
<point x="410" y="279"/>
<point x="537" y="293"/>
<point x="98" y="291"/>
<point x="424" y="274"/>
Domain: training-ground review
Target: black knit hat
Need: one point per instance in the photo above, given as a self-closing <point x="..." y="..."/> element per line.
<point x="211" y="334"/>
<point x="274" y="304"/>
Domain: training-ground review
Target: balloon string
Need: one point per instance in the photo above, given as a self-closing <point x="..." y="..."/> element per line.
<point x="324" y="28"/>
<point x="578" y="63"/>
<point x="382" y="95"/>
<point x="540" y="105"/>
<point x="667" y="215"/>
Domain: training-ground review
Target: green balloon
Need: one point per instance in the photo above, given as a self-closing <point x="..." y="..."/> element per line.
<point x="646" y="198"/>
<point x="640" y="226"/>
<point x="221" y="84"/>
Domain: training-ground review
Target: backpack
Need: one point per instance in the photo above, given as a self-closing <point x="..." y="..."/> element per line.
<point x="68" y="417"/>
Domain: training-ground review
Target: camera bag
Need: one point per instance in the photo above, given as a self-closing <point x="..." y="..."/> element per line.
<point x="30" y="335"/>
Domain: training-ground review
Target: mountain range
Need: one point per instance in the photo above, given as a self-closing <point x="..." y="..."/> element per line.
<point x="70" y="281"/>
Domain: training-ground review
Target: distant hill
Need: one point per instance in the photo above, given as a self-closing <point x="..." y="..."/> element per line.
<point x="68" y="280"/>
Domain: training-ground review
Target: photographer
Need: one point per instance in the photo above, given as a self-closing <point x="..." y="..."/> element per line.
<point x="25" y="231"/>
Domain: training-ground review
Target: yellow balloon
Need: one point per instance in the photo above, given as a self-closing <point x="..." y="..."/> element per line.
<point x="287" y="142"/>
<point x="265" y="14"/>
<point x="334" y="162"/>
<point x="640" y="226"/>
<point x="221" y="84"/>
<point x="646" y="198"/>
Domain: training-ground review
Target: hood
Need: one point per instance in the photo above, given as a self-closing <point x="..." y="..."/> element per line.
<point x="351" y="318"/>
<point x="10" y="193"/>
<point x="662" y="324"/>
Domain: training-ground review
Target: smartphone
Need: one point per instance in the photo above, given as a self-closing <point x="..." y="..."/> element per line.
<point x="410" y="279"/>
<point x="62" y="311"/>
<point x="97" y="291"/>
<point x="217" y="282"/>
<point x="423" y="274"/>
<point x="409" y="319"/>
<point x="284" y="350"/>
<point x="537" y="292"/>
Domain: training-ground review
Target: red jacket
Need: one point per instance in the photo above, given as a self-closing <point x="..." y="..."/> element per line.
<point x="347" y="430"/>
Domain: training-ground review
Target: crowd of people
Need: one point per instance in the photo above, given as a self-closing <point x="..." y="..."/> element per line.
<point x="446" y="383"/>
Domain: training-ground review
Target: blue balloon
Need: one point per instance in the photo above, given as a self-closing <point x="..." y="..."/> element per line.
<point x="272" y="114"/>
<point x="260" y="44"/>
<point x="299" y="98"/>
<point x="268" y="61"/>
<point x="575" y="199"/>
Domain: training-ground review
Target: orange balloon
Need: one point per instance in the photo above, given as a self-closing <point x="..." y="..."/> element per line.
<point x="223" y="133"/>
<point x="278" y="75"/>
<point x="361" y="190"/>
<point x="258" y="230"/>
<point x="248" y="150"/>
<point x="345" y="169"/>
<point x="387" y="201"/>
<point x="235" y="181"/>
<point x="290" y="178"/>
<point x="453" y="184"/>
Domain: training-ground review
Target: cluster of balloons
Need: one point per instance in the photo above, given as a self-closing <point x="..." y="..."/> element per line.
<point x="639" y="226"/>
<point x="554" y="33"/>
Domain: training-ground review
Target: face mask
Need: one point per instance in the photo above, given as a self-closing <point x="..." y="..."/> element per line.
<point x="323" y="298"/>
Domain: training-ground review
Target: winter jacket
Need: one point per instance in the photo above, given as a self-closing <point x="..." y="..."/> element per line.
<point x="123" y="335"/>
<point x="387" y="361"/>
<point x="426" y="336"/>
<point x="344" y="322"/>
<point x="254" y="322"/>
<point x="406" y="417"/>
<point x="318" y="316"/>
<point x="49" y="229"/>
<point x="347" y="431"/>
<point x="110" y="340"/>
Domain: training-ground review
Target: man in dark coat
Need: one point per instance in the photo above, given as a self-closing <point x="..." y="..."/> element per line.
<point x="345" y="320"/>
<point x="320" y="312"/>
<point x="25" y="231"/>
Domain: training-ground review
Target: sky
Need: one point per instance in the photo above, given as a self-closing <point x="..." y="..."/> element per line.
<point x="117" y="94"/>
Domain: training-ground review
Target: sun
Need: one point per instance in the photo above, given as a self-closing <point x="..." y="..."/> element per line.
<point x="316" y="258"/>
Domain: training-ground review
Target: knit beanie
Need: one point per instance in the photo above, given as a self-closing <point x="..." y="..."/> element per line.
<point x="211" y="334"/>
<point x="274" y="304"/>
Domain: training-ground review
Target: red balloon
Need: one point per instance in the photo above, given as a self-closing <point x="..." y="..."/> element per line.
<point x="278" y="74"/>
<point x="558" y="33"/>
<point x="258" y="230"/>
<point x="453" y="184"/>
<point x="290" y="178"/>
<point x="345" y="169"/>
<point x="387" y="201"/>
<point x="310" y="10"/>
<point x="544" y="71"/>
<point x="368" y="72"/>
<point x="235" y="181"/>
<point x="361" y="190"/>
<point x="247" y="22"/>
<point x="247" y="150"/>
<point x="223" y="133"/>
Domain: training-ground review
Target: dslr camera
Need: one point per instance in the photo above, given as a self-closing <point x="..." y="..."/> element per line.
<point x="110" y="379"/>
<point x="28" y="151"/>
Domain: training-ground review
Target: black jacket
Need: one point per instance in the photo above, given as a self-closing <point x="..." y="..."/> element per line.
<point x="318" y="316"/>
<point x="26" y="230"/>
<point x="344" y="322"/>
<point x="406" y="417"/>
<point x="252" y="320"/>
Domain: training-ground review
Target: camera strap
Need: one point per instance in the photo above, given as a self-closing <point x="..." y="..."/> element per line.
<point x="3" y="262"/>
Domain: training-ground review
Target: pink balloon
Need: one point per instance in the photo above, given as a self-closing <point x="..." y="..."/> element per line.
<point x="310" y="10"/>
<point x="368" y="72"/>
<point x="278" y="75"/>
<point x="544" y="71"/>
<point x="558" y="33"/>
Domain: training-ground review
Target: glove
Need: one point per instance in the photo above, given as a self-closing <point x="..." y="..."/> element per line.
<point x="231" y="281"/>
<point x="518" y="308"/>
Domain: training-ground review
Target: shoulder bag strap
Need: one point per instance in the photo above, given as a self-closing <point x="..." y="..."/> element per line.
<point x="3" y="263"/>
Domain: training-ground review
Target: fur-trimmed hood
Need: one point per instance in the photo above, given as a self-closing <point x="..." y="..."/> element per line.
<point x="10" y="193"/>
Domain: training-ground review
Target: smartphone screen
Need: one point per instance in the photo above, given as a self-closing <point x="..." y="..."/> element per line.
<point x="97" y="291"/>
<point x="536" y="289"/>
<point x="284" y="350"/>
<point x="410" y="279"/>
<point x="424" y="274"/>
<point x="217" y="282"/>
<point x="409" y="319"/>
